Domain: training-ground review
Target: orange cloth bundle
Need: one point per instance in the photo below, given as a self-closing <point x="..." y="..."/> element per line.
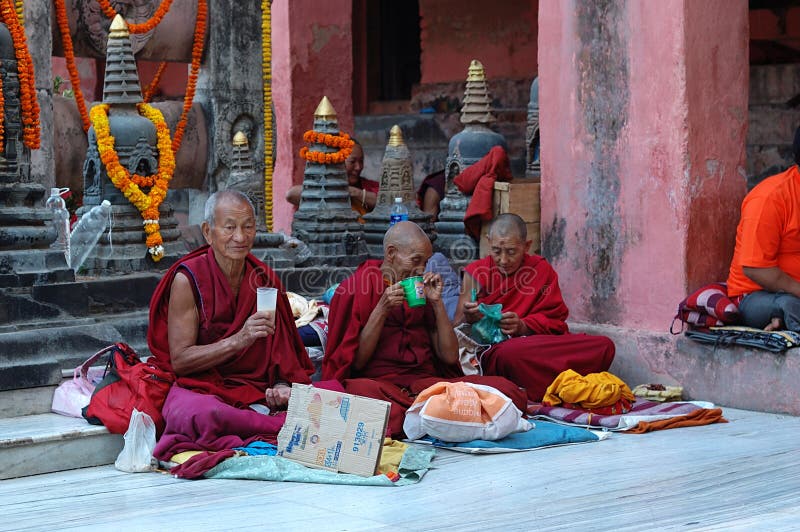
<point x="595" y="390"/>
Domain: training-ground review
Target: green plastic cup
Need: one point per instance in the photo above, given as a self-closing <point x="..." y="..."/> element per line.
<point x="414" y="290"/>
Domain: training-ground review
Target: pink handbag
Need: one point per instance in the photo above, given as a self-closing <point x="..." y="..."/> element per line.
<point x="71" y="396"/>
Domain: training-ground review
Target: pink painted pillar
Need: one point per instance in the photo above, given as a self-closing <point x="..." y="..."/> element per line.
<point x="643" y="120"/>
<point x="312" y="57"/>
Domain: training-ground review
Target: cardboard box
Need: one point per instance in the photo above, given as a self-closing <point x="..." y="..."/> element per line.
<point x="334" y="431"/>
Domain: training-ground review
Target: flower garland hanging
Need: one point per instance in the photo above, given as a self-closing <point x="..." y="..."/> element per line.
<point x="27" y="89"/>
<point x="151" y="89"/>
<point x="341" y="141"/>
<point x="131" y="186"/>
<point x="197" y="54"/>
<point x="266" y="72"/>
<point x="69" y="56"/>
<point x="144" y="27"/>
<point x="20" y="13"/>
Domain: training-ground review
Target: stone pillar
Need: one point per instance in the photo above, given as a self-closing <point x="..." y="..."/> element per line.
<point x="645" y="109"/>
<point x="37" y="16"/>
<point x="229" y="86"/>
<point x="312" y="55"/>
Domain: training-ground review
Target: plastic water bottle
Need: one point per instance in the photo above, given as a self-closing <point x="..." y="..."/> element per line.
<point x="60" y="220"/>
<point x="399" y="212"/>
<point x="87" y="232"/>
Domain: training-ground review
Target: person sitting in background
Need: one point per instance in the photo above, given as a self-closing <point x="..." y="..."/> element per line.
<point x="226" y="356"/>
<point x="534" y="314"/>
<point x="430" y="194"/>
<point x="363" y="191"/>
<point x="384" y="349"/>
<point x="764" y="276"/>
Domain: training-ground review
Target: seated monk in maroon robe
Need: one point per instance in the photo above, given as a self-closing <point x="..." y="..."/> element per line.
<point x="226" y="356"/>
<point x="534" y="314"/>
<point x="380" y="347"/>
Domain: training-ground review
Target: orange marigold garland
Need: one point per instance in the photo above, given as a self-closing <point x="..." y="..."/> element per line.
<point x="151" y="89"/>
<point x="131" y="186"/>
<point x="69" y="56"/>
<point x="144" y="27"/>
<point x="197" y="54"/>
<point x="27" y="88"/>
<point x="341" y="141"/>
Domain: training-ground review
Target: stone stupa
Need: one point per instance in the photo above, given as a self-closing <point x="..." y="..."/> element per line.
<point x="124" y="250"/>
<point x="396" y="182"/>
<point x="324" y="220"/>
<point x="466" y="148"/>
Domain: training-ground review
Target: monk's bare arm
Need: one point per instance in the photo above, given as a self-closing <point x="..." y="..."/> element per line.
<point x="183" y="322"/>
<point x="371" y="333"/>
<point x="467" y="310"/>
<point x="445" y="342"/>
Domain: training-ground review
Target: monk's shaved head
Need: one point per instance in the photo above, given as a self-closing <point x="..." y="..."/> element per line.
<point x="404" y="235"/>
<point x="509" y="225"/>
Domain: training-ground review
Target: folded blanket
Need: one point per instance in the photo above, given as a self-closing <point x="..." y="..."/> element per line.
<point x="775" y="341"/>
<point x="415" y="463"/>
<point x="542" y="435"/>
<point x="704" y="416"/>
<point x="641" y="410"/>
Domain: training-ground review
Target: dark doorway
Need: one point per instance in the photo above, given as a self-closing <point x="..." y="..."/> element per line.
<point x="386" y="51"/>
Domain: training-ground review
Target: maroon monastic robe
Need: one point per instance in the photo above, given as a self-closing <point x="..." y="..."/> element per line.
<point x="404" y="362"/>
<point x="238" y="382"/>
<point x="534" y="361"/>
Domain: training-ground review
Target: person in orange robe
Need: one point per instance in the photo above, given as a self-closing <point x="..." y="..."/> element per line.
<point x="534" y="314"/>
<point x="384" y="349"/>
<point x="226" y="356"/>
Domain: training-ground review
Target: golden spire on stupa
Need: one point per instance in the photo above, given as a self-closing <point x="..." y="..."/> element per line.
<point x="325" y="110"/>
<point x="396" y="136"/>
<point x="119" y="28"/>
<point x="239" y="139"/>
<point x="476" y="71"/>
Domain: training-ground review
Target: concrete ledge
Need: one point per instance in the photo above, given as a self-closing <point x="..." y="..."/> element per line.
<point x="44" y="443"/>
<point x="737" y="377"/>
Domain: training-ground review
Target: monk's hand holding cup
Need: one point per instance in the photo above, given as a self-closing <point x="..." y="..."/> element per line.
<point x="257" y="326"/>
<point x="393" y="296"/>
<point x="433" y="286"/>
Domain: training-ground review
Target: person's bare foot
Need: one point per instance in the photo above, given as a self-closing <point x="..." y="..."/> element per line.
<point x="774" y="325"/>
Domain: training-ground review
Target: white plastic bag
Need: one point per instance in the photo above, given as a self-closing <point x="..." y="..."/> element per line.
<point x="140" y="441"/>
<point x="461" y="412"/>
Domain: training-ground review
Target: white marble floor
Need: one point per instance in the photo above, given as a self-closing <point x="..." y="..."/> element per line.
<point x="744" y="475"/>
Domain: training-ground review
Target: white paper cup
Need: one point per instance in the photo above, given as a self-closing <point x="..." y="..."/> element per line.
<point x="266" y="298"/>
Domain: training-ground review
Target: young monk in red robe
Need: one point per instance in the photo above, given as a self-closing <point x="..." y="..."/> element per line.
<point x="382" y="348"/>
<point x="534" y="314"/>
<point x="226" y="356"/>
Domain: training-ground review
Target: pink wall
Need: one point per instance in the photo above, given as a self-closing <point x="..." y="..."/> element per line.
<point x="312" y="57"/>
<point x="502" y="35"/>
<point x="642" y="143"/>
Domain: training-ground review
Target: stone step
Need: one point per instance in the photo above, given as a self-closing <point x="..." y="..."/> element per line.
<point x="35" y="357"/>
<point x="46" y="443"/>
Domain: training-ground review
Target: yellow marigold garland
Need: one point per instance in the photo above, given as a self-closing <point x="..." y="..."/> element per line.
<point x="266" y="72"/>
<point x="147" y="204"/>
<point x="341" y="141"/>
<point x="20" y="13"/>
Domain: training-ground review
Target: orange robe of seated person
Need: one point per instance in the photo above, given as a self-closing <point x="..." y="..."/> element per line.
<point x="404" y="362"/>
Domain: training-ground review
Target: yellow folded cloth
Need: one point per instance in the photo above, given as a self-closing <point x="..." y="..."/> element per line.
<point x="595" y="390"/>
<point x="391" y="454"/>
<point x="304" y="310"/>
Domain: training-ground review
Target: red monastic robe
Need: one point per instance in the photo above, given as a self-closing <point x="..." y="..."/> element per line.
<point x="404" y="362"/>
<point x="198" y="422"/>
<point x="534" y="361"/>
<point x="478" y="180"/>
